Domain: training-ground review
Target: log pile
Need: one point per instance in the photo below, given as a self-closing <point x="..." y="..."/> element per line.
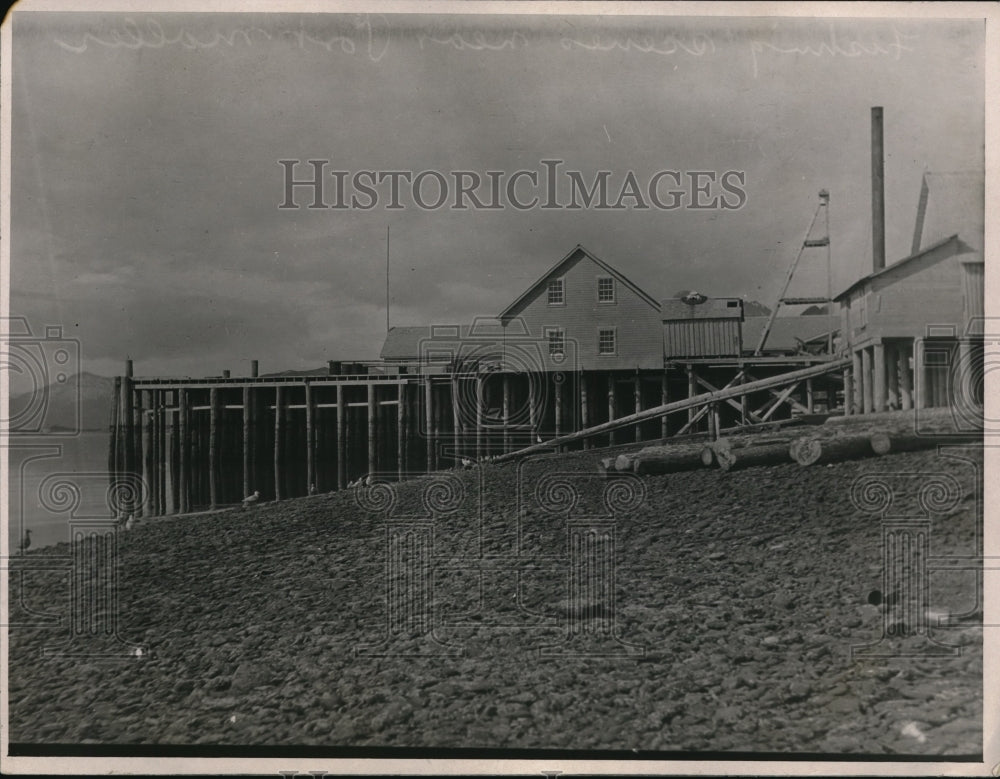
<point x="838" y="440"/>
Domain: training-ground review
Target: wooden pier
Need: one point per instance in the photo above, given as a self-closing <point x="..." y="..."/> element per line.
<point x="201" y="444"/>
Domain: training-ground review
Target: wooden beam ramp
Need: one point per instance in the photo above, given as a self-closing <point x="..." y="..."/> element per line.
<point x="703" y="401"/>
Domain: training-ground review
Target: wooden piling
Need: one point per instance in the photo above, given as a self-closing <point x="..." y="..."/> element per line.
<point x="279" y="418"/>
<point x="810" y="397"/>
<point x="867" y="395"/>
<point x="310" y="438"/>
<point x="892" y="376"/>
<point x="857" y="369"/>
<point x="905" y="377"/>
<point x="341" y="440"/>
<point x="879" y="386"/>
<point x="372" y="428"/>
<point x="213" y="447"/>
<point x="964" y="392"/>
<point x="184" y="453"/>
<point x="664" y="399"/>
<point x="479" y="416"/>
<point x="692" y="389"/>
<point x="848" y="392"/>
<point x="401" y="432"/>
<point x="247" y="489"/>
<point x="171" y="421"/>
<point x="429" y="421"/>
<point x="138" y="452"/>
<point x="506" y="413"/>
<point x="161" y="450"/>
<point x="532" y="409"/>
<point x="611" y="406"/>
<point x="558" y="382"/>
<point x="637" y="390"/>
<point x="148" y="458"/>
<point x="128" y="443"/>
<point x="458" y="425"/>
<point x="584" y="410"/>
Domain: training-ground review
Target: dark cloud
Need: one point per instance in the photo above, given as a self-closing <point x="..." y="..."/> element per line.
<point x="146" y="178"/>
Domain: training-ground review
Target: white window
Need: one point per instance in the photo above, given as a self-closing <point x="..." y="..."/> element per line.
<point x="556" y="293"/>
<point x="557" y="340"/>
<point x="605" y="289"/>
<point x="606" y="342"/>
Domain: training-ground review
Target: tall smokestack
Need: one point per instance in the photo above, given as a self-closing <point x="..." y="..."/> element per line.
<point x="878" y="192"/>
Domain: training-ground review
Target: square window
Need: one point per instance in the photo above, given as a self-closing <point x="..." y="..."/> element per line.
<point x="605" y="290"/>
<point x="556" y="296"/>
<point x="606" y="340"/>
<point x="557" y="341"/>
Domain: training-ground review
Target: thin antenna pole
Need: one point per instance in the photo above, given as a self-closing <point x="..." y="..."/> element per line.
<point x="387" y="279"/>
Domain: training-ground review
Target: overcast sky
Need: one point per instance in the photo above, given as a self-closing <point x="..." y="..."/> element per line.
<point x="146" y="181"/>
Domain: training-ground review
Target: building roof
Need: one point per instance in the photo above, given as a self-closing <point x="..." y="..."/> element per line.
<point x="713" y="308"/>
<point x="951" y="206"/>
<point x="785" y="330"/>
<point x="578" y="252"/>
<point x="905" y="262"/>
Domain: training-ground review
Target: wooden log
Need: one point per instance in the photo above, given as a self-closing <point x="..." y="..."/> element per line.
<point x="727" y="452"/>
<point x="819" y="451"/>
<point x="883" y="443"/>
<point x="687" y="459"/>
<point x="749" y="456"/>
<point x="936" y="417"/>
<point x="606" y="466"/>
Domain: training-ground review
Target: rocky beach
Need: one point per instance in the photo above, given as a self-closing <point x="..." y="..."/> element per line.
<point x="747" y="612"/>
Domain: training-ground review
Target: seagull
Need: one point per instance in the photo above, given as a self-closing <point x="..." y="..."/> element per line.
<point x="249" y="500"/>
<point x="369" y="480"/>
<point x="312" y="489"/>
<point x="25" y="542"/>
<point x="538" y="438"/>
<point x="466" y="462"/>
<point x="130" y="522"/>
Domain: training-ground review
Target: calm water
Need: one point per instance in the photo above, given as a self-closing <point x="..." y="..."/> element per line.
<point x="53" y="480"/>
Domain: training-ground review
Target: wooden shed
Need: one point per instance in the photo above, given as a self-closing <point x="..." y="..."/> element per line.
<point x="696" y="326"/>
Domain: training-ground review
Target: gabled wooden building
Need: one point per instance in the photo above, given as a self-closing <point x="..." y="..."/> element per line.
<point x="914" y="328"/>
<point x="611" y="322"/>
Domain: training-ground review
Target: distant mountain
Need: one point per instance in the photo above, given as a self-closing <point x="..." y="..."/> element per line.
<point x="753" y="308"/>
<point x="82" y="402"/>
<point x="814" y="311"/>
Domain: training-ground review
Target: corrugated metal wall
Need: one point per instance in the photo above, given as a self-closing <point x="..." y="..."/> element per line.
<point x="701" y="338"/>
